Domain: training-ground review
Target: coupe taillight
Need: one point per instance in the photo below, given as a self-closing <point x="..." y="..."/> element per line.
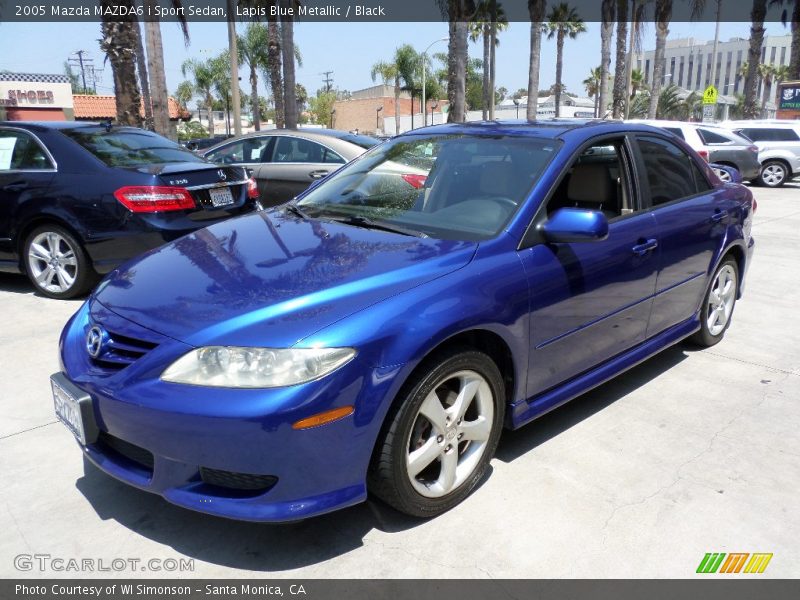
<point x="252" y="189"/>
<point x="414" y="180"/>
<point x="755" y="205"/>
<point x="154" y="198"/>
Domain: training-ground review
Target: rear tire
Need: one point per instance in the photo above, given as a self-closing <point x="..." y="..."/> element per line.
<point x="718" y="304"/>
<point x="774" y="173"/>
<point x="56" y="263"/>
<point x="440" y="437"/>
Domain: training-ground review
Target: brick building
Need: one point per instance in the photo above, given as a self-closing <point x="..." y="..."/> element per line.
<point x="360" y="111"/>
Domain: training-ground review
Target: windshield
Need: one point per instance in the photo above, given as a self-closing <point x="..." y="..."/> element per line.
<point x="444" y="186"/>
<point x="130" y="147"/>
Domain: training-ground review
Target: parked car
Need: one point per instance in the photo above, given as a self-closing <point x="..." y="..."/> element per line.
<point x="779" y="148"/>
<point x="77" y="199"/>
<point x="283" y="364"/>
<point x="200" y="144"/>
<point x="717" y="145"/>
<point x="285" y="162"/>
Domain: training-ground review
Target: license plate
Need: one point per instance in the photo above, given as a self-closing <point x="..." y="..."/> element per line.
<point x="221" y="196"/>
<point x="68" y="411"/>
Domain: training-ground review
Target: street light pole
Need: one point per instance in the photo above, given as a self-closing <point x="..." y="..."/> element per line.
<point x="516" y="103"/>
<point x="378" y="118"/>
<point x="424" y="104"/>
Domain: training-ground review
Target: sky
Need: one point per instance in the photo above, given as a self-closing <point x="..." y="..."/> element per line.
<point x="347" y="49"/>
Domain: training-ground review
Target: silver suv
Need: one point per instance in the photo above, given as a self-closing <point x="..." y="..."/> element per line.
<point x="778" y="148"/>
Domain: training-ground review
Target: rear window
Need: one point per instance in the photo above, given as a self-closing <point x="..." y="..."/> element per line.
<point x="130" y="147"/>
<point x="675" y="131"/>
<point x="712" y="137"/>
<point x="770" y="134"/>
<point x="361" y="140"/>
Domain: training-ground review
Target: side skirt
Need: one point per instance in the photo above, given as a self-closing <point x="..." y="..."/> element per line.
<point x="525" y="411"/>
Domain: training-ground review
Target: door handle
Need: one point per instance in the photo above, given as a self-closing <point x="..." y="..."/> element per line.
<point x="17" y="186"/>
<point x="318" y="174"/>
<point x="718" y="216"/>
<point x="645" y="247"/>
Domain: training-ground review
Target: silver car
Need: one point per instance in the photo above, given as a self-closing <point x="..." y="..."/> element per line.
<point x="779" y="148"/>
<point x="286" y="161"/>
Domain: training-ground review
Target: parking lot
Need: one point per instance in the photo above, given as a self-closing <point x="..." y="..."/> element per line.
<point x="689" y="453"/>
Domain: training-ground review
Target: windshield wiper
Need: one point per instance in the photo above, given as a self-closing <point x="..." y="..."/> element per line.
<point x="294" y="209"/>
<point x="367" y="223"/>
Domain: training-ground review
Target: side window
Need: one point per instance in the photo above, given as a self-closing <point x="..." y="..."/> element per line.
<point x="786" y="135"/>
<point x="676" y="131"/>
<point x="298" y="150"/>
<point x="597" y="180"/>
<point x="329" y="156"/>
<point x="670" y="173"/>
<point x="19" y="151"/>
<point x="231" y="153"/>
<point x="246" y="151"/>
<point x="712" y="137"/>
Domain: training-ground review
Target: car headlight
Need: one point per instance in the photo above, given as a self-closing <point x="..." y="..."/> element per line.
<point x="235" y="367"/>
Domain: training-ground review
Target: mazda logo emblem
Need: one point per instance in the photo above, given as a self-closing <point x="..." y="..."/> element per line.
<point x="94" y="341"/>
<point x="222" y="175"/>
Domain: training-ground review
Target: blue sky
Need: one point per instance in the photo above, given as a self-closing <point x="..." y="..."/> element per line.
<point x="347" y="49"/>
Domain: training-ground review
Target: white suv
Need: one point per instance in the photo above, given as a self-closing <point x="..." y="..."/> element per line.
<point x="778" y="144"/>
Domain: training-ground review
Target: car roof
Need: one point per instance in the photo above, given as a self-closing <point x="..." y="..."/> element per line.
<point x="762" y="123"/>
<point x="64" y="125"/>
<point x="545" y="128"/>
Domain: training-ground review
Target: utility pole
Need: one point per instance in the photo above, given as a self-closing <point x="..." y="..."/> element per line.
<point x="328" y="80"/>
<point x="81" y="63"/>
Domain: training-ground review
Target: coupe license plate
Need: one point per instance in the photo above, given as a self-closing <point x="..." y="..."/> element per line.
<point x="220" y="197"/>
<point x="68" y="411"/>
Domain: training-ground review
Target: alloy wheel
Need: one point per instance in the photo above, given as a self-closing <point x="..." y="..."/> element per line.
<point x="450" y="434"/>
<point x="723" y="175"/>
<point x="721" y="299"/>
<point x="773" y="174"/>
<point x="52" y="262"/>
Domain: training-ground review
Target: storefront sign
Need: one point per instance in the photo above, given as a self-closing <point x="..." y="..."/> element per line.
<point x="31" y="94"/>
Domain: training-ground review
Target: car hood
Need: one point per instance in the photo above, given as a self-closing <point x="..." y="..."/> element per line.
<point x="268" y="279"/>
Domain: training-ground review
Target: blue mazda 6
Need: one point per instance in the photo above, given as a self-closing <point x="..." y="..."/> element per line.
<point x="376" y="334"/>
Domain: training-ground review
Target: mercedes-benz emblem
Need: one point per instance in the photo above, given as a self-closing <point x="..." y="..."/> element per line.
<point x="222" y="175"/>
<point x="94" y="341"/>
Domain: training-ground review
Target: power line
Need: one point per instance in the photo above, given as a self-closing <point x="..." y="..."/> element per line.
<point x="328" y="80"/>
<point x="85" y="65"/>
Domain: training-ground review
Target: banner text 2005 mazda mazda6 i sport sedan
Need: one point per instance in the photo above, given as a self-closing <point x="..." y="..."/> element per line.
<point x="373" y="336"/>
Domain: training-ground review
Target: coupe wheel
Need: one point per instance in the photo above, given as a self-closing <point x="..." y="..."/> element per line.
<point x="440" y="439"/>
<point x="56" y="263"/>
<point x="773" y="173"/>
<point x="715" y="316"/>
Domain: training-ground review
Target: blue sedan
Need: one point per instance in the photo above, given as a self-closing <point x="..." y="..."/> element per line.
<point x="377" y="334"/>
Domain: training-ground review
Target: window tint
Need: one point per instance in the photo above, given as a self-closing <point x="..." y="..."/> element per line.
<point x="19" y="151"/>
<point x="676" y="131"/>
<point x="766" y="134"/>
<point x="712" y="137"/>
<point x="669" y="171"/>
<point x="245" y="151"/>
<point x="130" y="147"/>
<point x="293" y="150"/>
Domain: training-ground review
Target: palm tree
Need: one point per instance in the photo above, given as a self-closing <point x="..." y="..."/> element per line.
<point x="287" y="50"/>
<point x="662" y="19"/>
<point x="184" y="93"/>
<point x="144" y="82"/>
<point x="638" y="12"/>
<point x="619" y="94"/>
<point x="794" y="60"/>
<point x="407" y="60"/>
<point x="592" y="84"/>
<point x="119" y="45"/>
<point x="757" y="15"/>
<point x="253" y="49"/>
<point x="536" y="10"/>
<point x="274" y="67"/>
<point x="204" y="81"/>
<point x="780" y="73"/>
<point x="458" y="13"/>
<point x="489" y="20"/>
<point x="387" y="71"/>
<point x="608" y="12"/>
<point x="563" y="21"/>
<point x="637" y="82"/>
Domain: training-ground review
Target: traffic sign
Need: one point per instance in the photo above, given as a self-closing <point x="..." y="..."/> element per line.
<point x="708" y="112"/>
<point x="710" y="95"/>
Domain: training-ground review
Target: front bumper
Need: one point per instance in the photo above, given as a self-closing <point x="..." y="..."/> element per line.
<point x="191" y="431"/>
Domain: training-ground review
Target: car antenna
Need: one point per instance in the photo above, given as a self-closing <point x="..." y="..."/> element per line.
<point x="108" y="125"/>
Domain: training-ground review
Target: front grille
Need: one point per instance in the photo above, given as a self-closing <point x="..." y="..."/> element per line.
<point x="132" y="452"/>
<point x="120" y="351"/>
<point x="237" y="481"/>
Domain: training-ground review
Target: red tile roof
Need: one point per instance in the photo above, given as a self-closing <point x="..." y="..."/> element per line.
<point x="87" y="106"/>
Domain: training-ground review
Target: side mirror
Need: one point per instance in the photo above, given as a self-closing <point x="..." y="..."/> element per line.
<point x="726" y="173"/>
<point x="575" y="225"/>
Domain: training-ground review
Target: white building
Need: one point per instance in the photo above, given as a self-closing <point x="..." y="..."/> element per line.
<point x="687" y="63"/>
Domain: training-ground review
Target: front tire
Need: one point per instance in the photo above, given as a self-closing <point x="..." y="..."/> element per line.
<point x="56" y="263"/>
<point x="718" y="304"/>
<point x="441" y="436"/>
<point x="773" y="174"/>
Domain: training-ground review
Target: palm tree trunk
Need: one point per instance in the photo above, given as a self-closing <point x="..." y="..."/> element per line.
<point x="629" y="59"/>
<point x="397" y="105"/>
<point x="158" y="79"/>
<point x="144" y="85"/>
<point x="210" y="109"/>
<point x="766" y="83"/>
<point x="620" y="95"/>
<point x="492" y="52"/>
<point x="606" y="33"/>
<point x="287" y="48"/>
<point x="559" y="69"/>
<point x="119" y="43"/>
<point x="536" y="9"/>
<point x="663" y="15"/>
<point x="759" y="11"/>
<point x="456" y="64"/>
<point x="486" y="62"/>
<point x="794" y="60"/>
<point x="274" y="65"/>
<point x="254" y="96"/>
